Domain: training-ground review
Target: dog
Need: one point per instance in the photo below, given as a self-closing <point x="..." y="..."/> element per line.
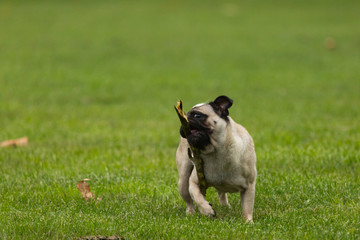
<point x="228" y="154"/>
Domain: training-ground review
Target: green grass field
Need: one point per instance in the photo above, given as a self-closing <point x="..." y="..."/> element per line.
<point x="93" y="84"/>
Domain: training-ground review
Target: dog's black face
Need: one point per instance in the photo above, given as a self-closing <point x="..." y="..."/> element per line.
<point x="202" y="122"/>
<point x="199" y="131"/>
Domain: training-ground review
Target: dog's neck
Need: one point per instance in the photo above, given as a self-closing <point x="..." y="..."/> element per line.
<point x="221" y="141"/>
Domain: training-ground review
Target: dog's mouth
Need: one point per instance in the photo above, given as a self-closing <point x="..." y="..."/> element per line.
<point x="199" y="138"/>
<point x="194" y="131"/>
<point x="198" y="128"/>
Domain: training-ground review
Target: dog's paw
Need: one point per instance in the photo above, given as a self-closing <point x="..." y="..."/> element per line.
<point x="225" y="204"/>
<point x="190" y="210"/>
<point x="207" y="210"/>
<point x="249" y="221"/>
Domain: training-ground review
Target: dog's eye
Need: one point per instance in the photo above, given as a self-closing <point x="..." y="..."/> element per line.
<point x="197" y="115"/>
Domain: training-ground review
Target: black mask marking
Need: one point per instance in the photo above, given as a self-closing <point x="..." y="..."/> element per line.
<point x="200" y="133"/>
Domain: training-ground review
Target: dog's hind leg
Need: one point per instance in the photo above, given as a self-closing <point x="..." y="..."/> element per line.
<point x="247" y="202"/>
<point x="223" y="199"/>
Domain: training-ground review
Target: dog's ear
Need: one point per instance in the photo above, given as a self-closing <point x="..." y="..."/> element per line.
<point x="221" y="105"/>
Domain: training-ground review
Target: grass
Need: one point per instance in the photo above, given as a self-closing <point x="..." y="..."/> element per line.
<point x="92" y="84"/>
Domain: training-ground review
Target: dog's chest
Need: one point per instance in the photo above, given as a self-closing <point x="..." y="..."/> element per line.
<point x="225" y="173"/>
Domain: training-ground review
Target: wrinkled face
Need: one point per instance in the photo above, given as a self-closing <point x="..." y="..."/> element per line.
<point x="206" y="120"/>
<point x="199" y="125"/>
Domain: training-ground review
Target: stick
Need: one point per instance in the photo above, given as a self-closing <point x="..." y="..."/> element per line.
<point x="194" y="153"/>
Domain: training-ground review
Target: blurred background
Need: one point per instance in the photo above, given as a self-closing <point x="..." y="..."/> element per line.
<point x="92" y="84"/>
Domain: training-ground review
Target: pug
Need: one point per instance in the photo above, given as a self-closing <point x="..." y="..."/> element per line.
<point x="229" y="157"/>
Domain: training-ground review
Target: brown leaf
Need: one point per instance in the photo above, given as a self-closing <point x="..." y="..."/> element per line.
<point x="15" y="142"/>
<point x="84" y="189"/>
<point x="330" y="43"/>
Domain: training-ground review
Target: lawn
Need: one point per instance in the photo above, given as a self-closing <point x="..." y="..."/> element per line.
<point x="93" y="83"/>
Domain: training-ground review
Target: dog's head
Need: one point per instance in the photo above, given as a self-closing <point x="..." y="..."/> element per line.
<point x="207" y="121"/>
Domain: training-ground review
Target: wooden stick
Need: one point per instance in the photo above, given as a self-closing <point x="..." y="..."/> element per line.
<point x="194" y="153"/>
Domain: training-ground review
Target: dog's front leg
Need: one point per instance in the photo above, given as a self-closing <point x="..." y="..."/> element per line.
<point x="203" y="205"/>
<point x="184" y="177"/>
<point x="185" y="168"/>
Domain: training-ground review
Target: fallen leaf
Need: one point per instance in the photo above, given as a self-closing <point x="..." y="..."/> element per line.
<point x="15" y="142"/>
<point x="84" y="189"/>
<point x="330" y="43"/>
